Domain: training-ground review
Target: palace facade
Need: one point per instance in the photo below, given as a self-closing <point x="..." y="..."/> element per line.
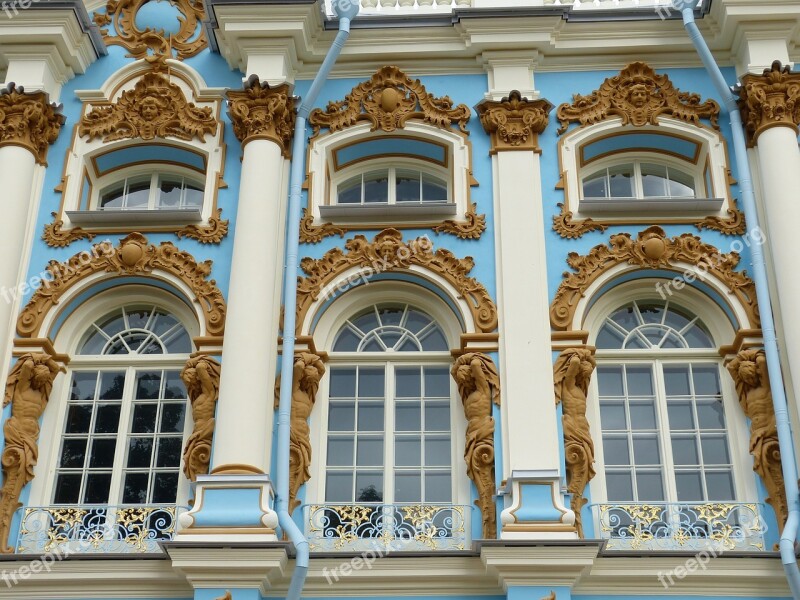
<point x="545" y="338"/>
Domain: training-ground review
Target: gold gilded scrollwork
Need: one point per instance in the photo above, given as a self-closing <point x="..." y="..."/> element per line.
<point x="652" y="249"/>
<point x="263" y="112"/>
<point x="56" y="237"/>
<point x="571" y="375"/>
<point x="572" y="229"/>
<point x="155" y="107"/>
<point x="770" y="100"/>
<point x="638" y="96"/>
<point x="212" y="233"/>
<point x="133" y="255"/>
<point x="749" y="373"/>
<point x="514" y="123"/>
<point x="306" y="374"/>
<point x="479" y="386"/>
<point x="151" y="44"/>
<point x="471" y="229"/>
<point x="200" y="375"/>
<point x="227" y="596"/>
<point x="28" y="390"/>
<point x="388" y="252"/>
<point x="313" y="234"/>
<point x="29" y="120"/>
<point x="388" y="100"/>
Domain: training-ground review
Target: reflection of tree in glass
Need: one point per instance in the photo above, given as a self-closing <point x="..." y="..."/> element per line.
<point x="114" y="391"/>
<point x="369" y="494"/>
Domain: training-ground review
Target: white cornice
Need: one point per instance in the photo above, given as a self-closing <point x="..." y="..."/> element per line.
<point x="443" y="48"/>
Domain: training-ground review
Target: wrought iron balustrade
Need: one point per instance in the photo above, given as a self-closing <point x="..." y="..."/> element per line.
<point x="96" y="528"/>
<point x="386" y="527"/>
<point x="721" y="527"/>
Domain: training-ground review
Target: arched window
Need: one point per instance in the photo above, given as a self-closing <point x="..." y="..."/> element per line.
<point x="123" y="427"/>
<point x="390" y="413"/>
<point x="662" y="417"/>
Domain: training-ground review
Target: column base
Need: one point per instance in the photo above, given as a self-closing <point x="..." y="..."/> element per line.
<point x="230" y="507"/>
<point x="534" y="508"/>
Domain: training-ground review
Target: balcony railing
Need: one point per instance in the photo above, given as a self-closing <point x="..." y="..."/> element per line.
<point x="93" y="529"/>
<point x="387" y="527"/>
<point x="681" y="526"/>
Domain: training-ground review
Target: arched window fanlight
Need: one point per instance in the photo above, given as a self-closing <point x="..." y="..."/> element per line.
<point x="390" y="328"/>
<point x="140" y="330"/>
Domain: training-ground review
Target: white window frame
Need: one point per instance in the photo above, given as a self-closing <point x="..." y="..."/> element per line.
<point x="719" y="328"/>
<point x="635" y="161"/>
<point x="712" y="156"/>
<point x="391" y="167"/>
<point x="156" y="176"/>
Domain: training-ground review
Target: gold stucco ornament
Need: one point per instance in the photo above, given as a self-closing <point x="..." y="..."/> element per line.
<point x="638" y="96"/>
<point x="261" y="112"/>
<point x="27" y="390"/>
<point x="770" y="100"/>
<point x="479" y="386"/>
<point x="200" y="375"/>
<point x="571" y="375"/>
<point x="306" y="374"/>
<point x="749" y="373"/>
<point x="155" y="107"/>
<point x="514" y="123"/>
<point x="29" y="120"/>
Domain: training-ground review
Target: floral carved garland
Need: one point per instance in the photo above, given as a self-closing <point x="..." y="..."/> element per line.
<point x="651" y="250"/>
<point x="388" y="252"/>
<point x="132" y="256"/>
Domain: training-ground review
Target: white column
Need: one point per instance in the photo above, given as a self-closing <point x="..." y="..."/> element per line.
<point x="531" y="464"/>
<point x="250" y="349"/>
<point x="779" y="163"/>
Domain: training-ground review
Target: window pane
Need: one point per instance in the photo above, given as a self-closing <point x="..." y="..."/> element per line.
<point x="169" y="452"/>
<point x="706" y="380"/>
<point x="369" y="487"/>
<point x="680" y="415"/>
<point x="649" y="486"/>
<point x="370" y="452"/>
<point x="83" y="386"/>
<point x="612" y="416"/>
<point x="610" y="381"/>
<point x="619" y="487"/>
<point x="676" y="380"/>
<point x="433" y="189"/>
<point x="135" y="490"/>
<point x="596" y="186"/>
<point x="710" y="414"/>
<point x="370" y="416"/>
<point x="437" y="451"/>
<point x="350" y="191"/>
<point x="609" y="339"/>
<point x="689" y="487"/>
<point x="407" y="382"/>
<point x="174" y="386"/>
<point x="407" y="452"/>
<point x="615" y="451"/>
<point x="370" y="383"/>
<point x="339" y="487"/>
<point x="681" y="185"/>
<point x="148" y="385"/>
<point x="113" y="197"/>
<point x="407" y="185"/>
<point x="107" y="418"/>
<point x="643" y="414"/>
<point x="144" y="418"/>
<point x="438" y="487"/>
<point x="654" y="180"/>
<point x="342" y="416"/>
<point x="79" y="417"/>
<point x="376" y="187"/>
<point x="340" y="451"/>
<point x="165" y="488"/>
<point x="720" y="486"/>
<point x="73" y="453"/>
<point x="138" y="193"/>
<point x="193" y="196"/>
<point x="437" y="382"/>
<point x="408" y="487"/>
<point x="102" y="456"/>
<point x="169" y="195"/>
<point x="68" y="489"/>
<point x="139" y="452"/>
<point x="684" y="450"/>
<point x="437" y="416"/>
<point x="640" y="381"/>
<point x="111" y="385"/>
<point x="645" y="451"/>
<point x="715" y="450"/>
<point x="621" y="181"/>
<point x="343" y="383"/>
<point x="97" y="485"/>
<point x="347" y="341"/>
<point x="408" y="416"/>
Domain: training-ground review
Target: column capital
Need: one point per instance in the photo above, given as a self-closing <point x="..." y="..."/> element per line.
<point x="29" y="120"/>
<point x="260" y="111"/>
<point x="770" y="100"/>
<point x="514" y="123"/>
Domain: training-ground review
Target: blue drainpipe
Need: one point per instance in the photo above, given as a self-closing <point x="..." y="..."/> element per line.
<point x="785" y="441"/>
<point x="346" y="10"/>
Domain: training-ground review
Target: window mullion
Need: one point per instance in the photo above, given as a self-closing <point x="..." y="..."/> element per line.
<point x="389" y="433"/>
<point x="151" y="197"/>
<point x="391" y="196"/>
<point x="667" y="462"/>
<point x="123" y="435"/>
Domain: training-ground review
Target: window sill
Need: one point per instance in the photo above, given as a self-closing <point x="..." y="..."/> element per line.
<point x="369" y="213"/>
<point x="638" y="206"/>
<point x="139" y="216"/>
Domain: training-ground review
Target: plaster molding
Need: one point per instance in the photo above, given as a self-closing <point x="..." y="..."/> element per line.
<point x="133" y="255"/>
<point x="27" y="119"/>
<point x="651" y="250"/>
<point x="200" y="375"/>
<point x="232" y="567"/>
<point x="260" y="111"/>
<point x="514" y="123"/>
<point x="770" y="100"/>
